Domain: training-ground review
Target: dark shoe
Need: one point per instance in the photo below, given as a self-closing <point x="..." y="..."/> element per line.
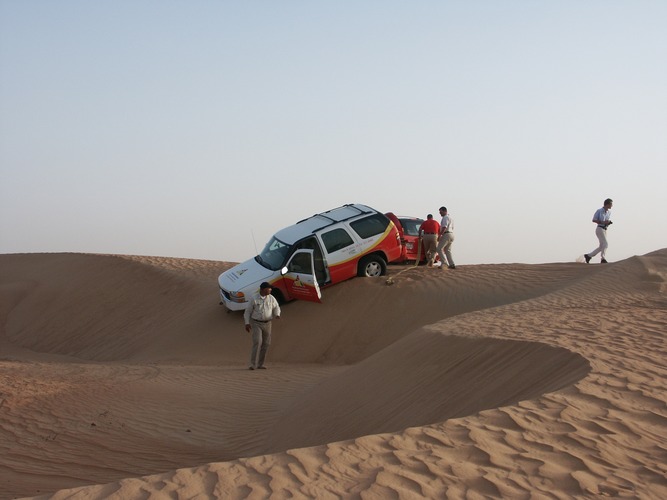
<point x="603" y="261"/>
<point x="261" y="367"/>
<point x="452" y="267"/>
<point x="588" y="258"/>
<point x="251" y="368"/>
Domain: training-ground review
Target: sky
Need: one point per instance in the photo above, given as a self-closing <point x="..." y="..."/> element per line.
<point x="197" y="129"/>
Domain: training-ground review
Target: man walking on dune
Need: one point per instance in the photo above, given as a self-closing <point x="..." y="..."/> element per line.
<point x="258" y="315"/>
<point x="601" y="217"/>
<point x="446" y="240"/>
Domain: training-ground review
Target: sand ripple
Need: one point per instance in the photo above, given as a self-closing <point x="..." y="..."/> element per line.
<point x="517" y="381"/>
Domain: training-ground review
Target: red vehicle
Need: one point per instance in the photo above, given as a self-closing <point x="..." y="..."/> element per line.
<point x="408" y="230"/>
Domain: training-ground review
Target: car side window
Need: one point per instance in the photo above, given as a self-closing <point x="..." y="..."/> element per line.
<point x="336" y="240"/>
<point x="301" y="263"/>
<point x="370" y="226"/>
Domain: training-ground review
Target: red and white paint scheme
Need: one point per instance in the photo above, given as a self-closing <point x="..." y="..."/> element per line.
<point x="322" y="250"/>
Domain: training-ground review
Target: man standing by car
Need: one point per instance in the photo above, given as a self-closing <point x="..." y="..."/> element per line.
<point x="258" y="316"/>
<point x="446" y="239"/>
<point x="428" y="232"/>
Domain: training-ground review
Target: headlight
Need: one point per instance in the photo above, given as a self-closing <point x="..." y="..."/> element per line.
<point x="237" y="296"/>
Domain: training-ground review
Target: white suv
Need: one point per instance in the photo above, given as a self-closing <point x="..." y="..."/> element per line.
<point x="327" y="248"/>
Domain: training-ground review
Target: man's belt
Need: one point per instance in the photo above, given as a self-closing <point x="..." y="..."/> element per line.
<point x="260" y="321"/>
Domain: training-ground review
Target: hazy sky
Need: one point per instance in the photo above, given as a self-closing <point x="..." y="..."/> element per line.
<point x="199" y="128"/>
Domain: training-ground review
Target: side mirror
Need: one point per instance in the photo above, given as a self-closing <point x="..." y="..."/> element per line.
<point x="283" y="271"/>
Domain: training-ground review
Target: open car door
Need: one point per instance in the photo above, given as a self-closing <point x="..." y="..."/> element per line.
<point x="299" y="277"/>
<point x="401" y="234"/>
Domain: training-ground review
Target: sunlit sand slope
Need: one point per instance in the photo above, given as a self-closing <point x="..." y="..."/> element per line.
<point x="501" y="380"/>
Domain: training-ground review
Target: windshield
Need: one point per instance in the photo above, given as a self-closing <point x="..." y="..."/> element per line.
<point x="411" y="226"/>
<point x="274" y="254"/>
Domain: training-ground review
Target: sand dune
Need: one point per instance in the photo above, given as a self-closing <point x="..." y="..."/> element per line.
<point x="510" y="380"/>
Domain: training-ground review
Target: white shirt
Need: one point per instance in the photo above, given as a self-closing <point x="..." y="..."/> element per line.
<point x="262" y="308"/>
<point x="447" y="225"/>
<point x="601" y="216"/>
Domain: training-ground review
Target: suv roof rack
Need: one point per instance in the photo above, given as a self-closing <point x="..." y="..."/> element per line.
<point x="323" y="215"/>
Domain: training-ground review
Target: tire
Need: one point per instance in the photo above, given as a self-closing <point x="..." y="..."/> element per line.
<point x="279" y="296"/>
<point x="372" y="266"/>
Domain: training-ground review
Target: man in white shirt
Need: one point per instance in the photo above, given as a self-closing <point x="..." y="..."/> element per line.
<point x="602" y="218"/>
<point x="446" y="239"/>
<point x="258" y="315"/>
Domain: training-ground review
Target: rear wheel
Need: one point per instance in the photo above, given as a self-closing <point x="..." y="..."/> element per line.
<point x="372" y="266"/>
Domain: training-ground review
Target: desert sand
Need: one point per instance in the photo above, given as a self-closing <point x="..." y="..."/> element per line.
<point x="122" y="377"/>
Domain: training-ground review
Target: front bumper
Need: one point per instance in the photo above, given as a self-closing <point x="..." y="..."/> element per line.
<point x="230" y="303"/>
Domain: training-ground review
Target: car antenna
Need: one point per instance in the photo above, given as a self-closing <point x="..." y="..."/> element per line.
<point x="254" y="242"/>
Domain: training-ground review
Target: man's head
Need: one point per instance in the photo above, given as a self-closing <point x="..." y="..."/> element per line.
<point x="429" y="216"/>
<point x="608" y="203"/>
<point x="443" y="210"/>
<point x="265" y="288"/>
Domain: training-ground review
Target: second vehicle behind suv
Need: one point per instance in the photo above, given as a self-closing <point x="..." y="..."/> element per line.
<point x="408" y="228"/>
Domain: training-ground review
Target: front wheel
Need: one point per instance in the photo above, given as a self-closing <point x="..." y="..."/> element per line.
<point x="278" y="295"/>
<point x="372" y="266"/>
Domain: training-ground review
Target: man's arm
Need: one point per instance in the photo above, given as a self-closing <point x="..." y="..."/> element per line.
<point x="247" y="313"/>
<point x="276" y="308"/>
